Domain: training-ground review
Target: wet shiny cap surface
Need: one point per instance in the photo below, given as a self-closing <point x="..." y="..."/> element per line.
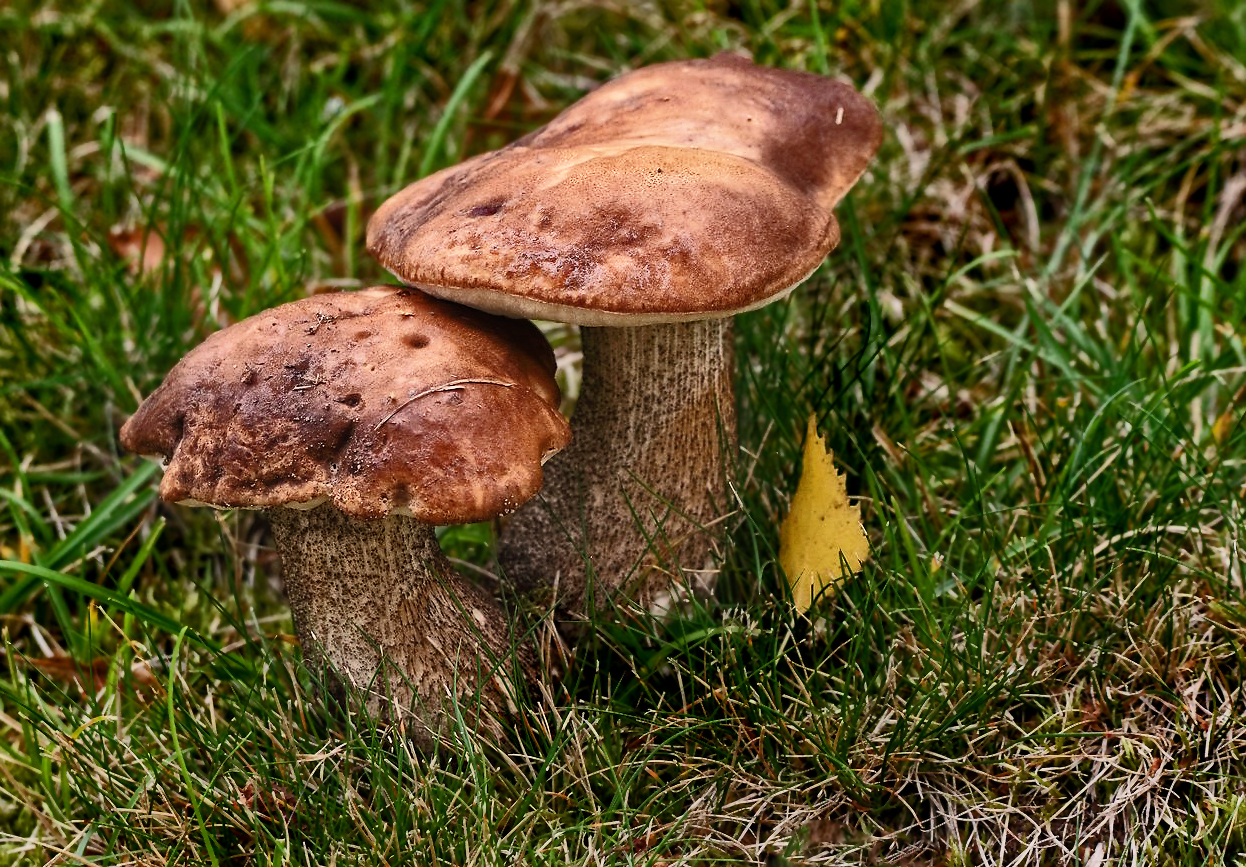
<point x="378" y="401"/>
<point x="678" y="191"/>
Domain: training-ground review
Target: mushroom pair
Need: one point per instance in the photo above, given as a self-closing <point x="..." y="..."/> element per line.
<point x="359" y="421"/>
<point x="648" y="214"/>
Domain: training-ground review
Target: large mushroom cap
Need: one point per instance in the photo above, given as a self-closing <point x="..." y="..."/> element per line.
<point x="679" y="191"/>
<point x="383" y="400"/>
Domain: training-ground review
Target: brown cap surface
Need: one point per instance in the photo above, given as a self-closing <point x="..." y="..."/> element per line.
<point x="679" y="191"/>
<point x="383" y="400"/>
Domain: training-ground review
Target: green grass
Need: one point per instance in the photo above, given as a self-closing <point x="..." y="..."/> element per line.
<point x="1028" y="354"/>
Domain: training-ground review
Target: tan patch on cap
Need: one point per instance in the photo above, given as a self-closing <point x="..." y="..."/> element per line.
<point x="379" y="401"/>
<point x="678" y="191"/>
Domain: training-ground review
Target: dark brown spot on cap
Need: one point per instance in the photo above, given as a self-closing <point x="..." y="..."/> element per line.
<point x="486" y="210"/>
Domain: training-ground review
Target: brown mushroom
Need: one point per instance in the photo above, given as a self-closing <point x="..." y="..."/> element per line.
<point x="361" y="420"/>
<point x="648" y="213"/>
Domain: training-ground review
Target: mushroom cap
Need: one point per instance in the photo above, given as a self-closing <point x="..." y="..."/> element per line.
<point x="379" y="401"/>
<point x="680" y="191"/>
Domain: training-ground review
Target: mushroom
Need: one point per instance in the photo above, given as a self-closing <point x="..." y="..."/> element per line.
<point x="648" y="213"/>
<point x="359" y="421"/>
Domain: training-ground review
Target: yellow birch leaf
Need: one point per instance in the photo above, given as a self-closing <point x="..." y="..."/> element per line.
<point x="821" y="527"/>
<point x="1223" y="426"/>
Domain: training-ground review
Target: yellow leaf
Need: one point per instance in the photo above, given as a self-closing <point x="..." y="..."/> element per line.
<point x="1223" y="426"/>
<point x="821" y="541"/>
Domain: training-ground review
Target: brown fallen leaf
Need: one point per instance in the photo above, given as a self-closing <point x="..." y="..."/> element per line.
<point x="142" y="248"/>
<point x="821" y="542"/>
<point x="272" y="802"/>
<point x="91" y="675"/>
<point x="146" y="250"/>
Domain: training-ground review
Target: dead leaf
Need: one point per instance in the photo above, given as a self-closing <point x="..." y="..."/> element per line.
<point x="272" y="802"/>
<point x="821" y="541"/>
<point x="146" y="251"/>
<point x="69" y="670"/>
<point x="142" y="248"/>
<point x="90" y="676"/>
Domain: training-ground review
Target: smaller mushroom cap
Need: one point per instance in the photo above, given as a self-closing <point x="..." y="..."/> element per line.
<point x="676" y="192"/>
<point x="379" y="401"/>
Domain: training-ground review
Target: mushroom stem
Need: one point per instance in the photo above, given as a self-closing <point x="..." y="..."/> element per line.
<point x="642" y="489"/>
<point x="377" y="603"/>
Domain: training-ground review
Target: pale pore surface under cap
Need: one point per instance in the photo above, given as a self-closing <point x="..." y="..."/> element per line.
<point x="378" y="401"/>
<point x="678" y="191"/>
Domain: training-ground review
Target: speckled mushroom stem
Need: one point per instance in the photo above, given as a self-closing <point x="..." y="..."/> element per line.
<point x="642" y="489"/>
<point x="379" y="603"/>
